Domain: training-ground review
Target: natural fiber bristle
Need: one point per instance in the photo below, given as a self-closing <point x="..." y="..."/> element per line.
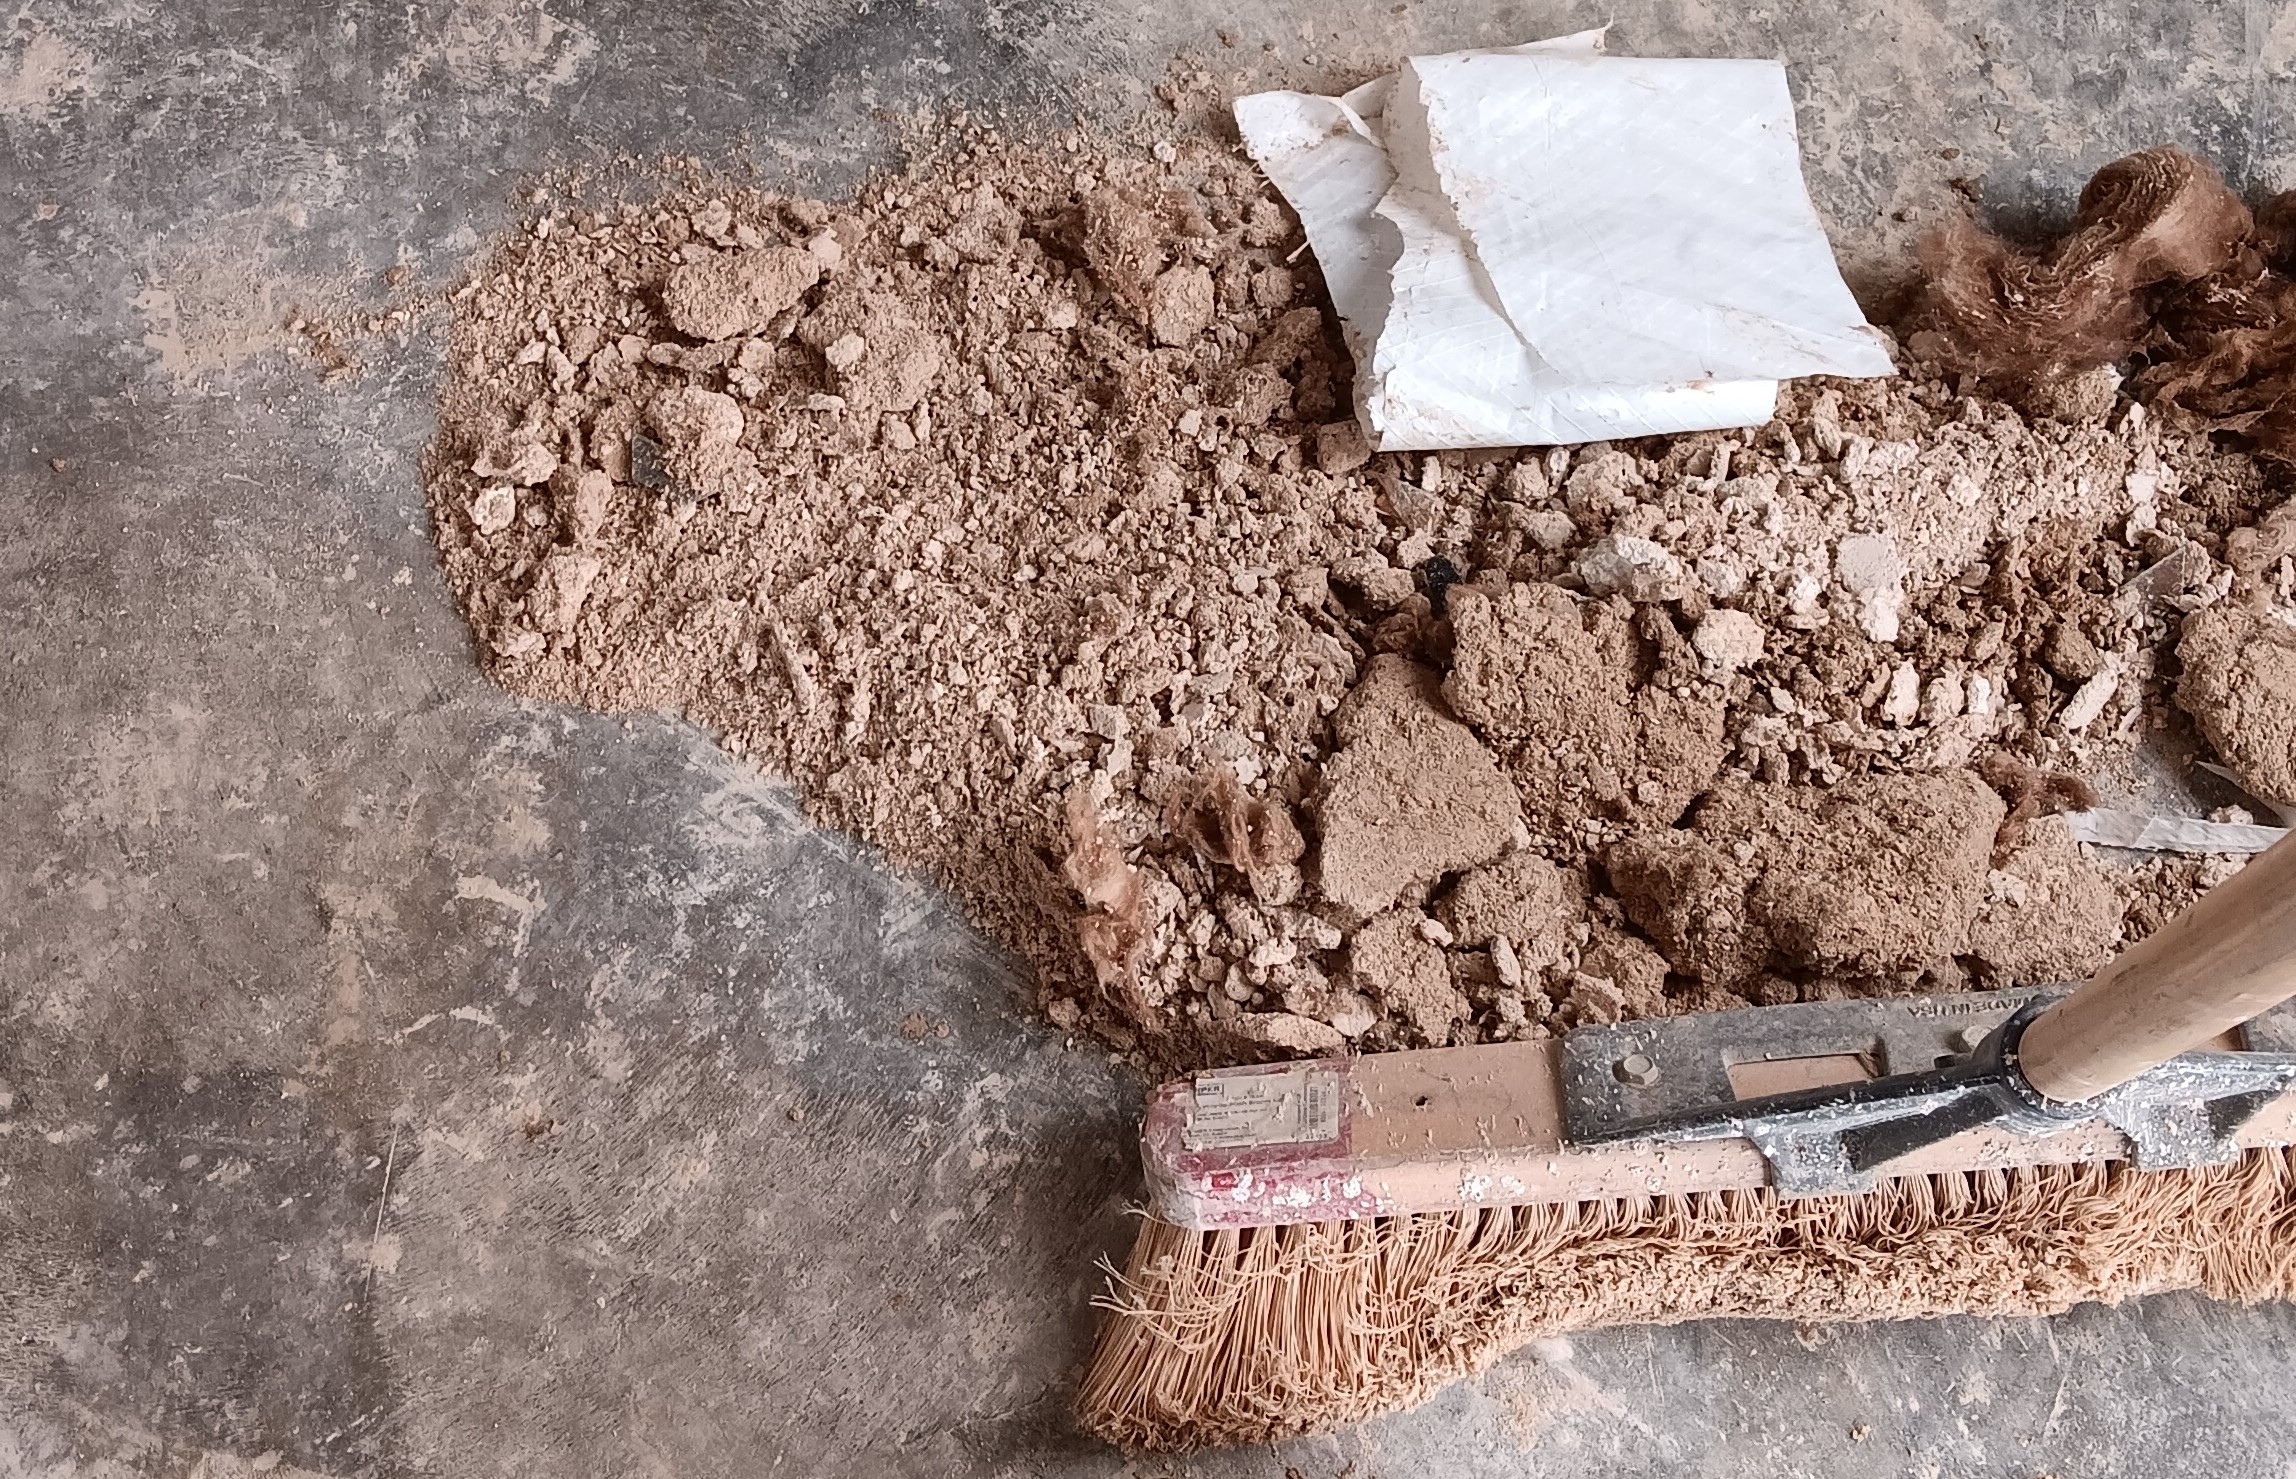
<point x="1244" y="1337"/>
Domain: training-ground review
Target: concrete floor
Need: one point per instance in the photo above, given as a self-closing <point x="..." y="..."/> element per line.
<point x="398" y="1079"/>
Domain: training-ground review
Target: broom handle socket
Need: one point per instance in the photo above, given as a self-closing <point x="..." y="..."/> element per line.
<point x="2230" y="957"/>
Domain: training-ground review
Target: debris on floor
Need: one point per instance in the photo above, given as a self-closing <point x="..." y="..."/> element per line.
<point x="1015" y="513"/>
<point x="2047" y="913"/>
<point x="2160" y="216"/>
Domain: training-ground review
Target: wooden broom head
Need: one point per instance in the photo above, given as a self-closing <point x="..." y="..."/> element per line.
<point x="1248" y="1335"/>
<point x="1335" y="1239"/>
<point x="1458" y="1129"/>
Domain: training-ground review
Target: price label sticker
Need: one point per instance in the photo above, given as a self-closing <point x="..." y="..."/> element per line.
<point x="1293" y="1106"/>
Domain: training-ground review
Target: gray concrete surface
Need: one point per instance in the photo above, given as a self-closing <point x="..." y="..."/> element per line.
<point x="399" y="1079"/>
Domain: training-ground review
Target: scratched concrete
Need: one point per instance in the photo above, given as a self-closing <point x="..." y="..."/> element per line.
<point x="396" y="1079"/>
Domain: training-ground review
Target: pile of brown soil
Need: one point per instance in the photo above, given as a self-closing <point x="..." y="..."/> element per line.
<point x="1014" y="513"/>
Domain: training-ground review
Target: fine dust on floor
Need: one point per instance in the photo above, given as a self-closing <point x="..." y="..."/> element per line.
<point x="1013" y="511"/>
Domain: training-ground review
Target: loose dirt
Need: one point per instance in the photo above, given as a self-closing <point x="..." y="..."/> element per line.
<point x="1014" y="513"/>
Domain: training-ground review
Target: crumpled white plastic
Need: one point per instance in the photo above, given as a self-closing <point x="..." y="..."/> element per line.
<point x="1541" y="244"/>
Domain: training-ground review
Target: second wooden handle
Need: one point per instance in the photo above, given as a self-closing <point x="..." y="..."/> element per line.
<point x="2228" y="958"/>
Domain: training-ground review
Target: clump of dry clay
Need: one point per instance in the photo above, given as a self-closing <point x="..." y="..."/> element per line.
<point x="879" y="357"/>
<point x="1727" y="640"/>
<point x="727" y="294"/>
<point x="1596" y="709"/>
<point x="2239" y="686"/>
<point x="1409" y="796"/>
<point x="1522" y="899"/>
<point x="1180" y="305"/>
<point x="2049" y="914"/>
<point x="1876" y="877"/>
<point x="560" y="588"/>
<point x="1130" y="232"/>
<point x="1618" y="976"/>
<point x="1392" y="959"/>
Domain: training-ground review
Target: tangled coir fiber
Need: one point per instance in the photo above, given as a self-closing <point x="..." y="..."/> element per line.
<point x="2164" y="269"/>
<point x="1250" y="1336"/>
<point x="2159" y="216"/>
<point x="2226" y="353"/>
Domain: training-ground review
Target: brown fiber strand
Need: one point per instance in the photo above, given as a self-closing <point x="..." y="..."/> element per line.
<point x="2164" y="264"/>
<point x="2225" y="351"/>
<point x="2157" y="216"/>
<point x="1245" y="1337"/>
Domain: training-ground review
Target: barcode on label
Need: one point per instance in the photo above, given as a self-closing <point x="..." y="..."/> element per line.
<point x="1294" y="1106"/>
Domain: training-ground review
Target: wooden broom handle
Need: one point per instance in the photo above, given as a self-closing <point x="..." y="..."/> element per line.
<point x="2228" y="958"/>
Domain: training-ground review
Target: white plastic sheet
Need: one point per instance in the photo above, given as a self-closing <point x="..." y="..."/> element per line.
<point x="1541" y="244"/>
<point x="2139" y="830"/>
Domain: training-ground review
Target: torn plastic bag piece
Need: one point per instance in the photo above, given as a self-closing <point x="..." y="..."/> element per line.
<point x="2146" y="833"/>
<point x="1439" y="361"/>
<point x="1642" y="220"/>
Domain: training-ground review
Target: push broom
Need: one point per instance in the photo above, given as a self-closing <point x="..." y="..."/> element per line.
<point x="1333" y="1239"/>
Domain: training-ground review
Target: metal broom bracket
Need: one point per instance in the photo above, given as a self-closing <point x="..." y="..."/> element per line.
<point x="1680" y="1079"/>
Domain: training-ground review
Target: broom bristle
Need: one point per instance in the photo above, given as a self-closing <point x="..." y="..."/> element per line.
<point x="1246" y="1337"/>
